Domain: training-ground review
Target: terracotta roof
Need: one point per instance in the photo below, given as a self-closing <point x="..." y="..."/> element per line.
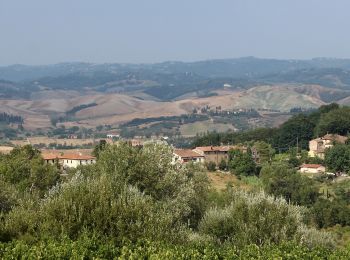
<point x="50" y="156"/>
<point x="216" y="148"/>
<point x="311" y="166"/>
<point x="186" y="153"/>
<point x="77" y="157"/>
<point x="67" y="157"/>
<point x="335" y="137"/>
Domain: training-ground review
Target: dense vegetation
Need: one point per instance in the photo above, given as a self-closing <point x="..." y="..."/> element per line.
<point x="134" y="203"/>
<point x="80" y="107"/>
<point x="297" y="131"/>
<point x="10" y="119"/>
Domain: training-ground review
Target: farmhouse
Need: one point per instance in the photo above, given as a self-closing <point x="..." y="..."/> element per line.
<point x="69" y="160"/>
<point x="216" y="153"/>
<point x="312" y="168"/>
<point x="186" y="155"/>
<point x="318" y="146"/>
<point x="113" y="136"/>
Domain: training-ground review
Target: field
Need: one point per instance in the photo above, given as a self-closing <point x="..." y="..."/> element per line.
<point x="5" y="149"/>
<point x="47" y="141"/>
<point x="221" y="180"/>
<point x="114" y="109"/>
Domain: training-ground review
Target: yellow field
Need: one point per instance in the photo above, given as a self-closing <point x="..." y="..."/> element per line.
<point x="47" y="141"/>
<point x="5" y="149"/>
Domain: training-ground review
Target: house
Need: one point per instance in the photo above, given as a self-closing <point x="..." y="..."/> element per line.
<point x="69" y="160"/>
<point x="113" y="136"/>
<point x="186" y="155"/>
<point x="216" y="153"/>
<point x="318" y="146"/>
<point x="312" y="168"/>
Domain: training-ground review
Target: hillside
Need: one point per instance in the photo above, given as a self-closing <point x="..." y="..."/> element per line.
<point x="118" y="108"/>
<point x="123" y="92"/>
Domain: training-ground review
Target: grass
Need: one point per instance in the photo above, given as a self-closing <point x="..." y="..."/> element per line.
<point x="220" y="181"/>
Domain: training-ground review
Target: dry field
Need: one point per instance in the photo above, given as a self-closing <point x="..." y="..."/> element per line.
<point x="5" y="149"/>
<point x="47" y="141"/>
<point x="220" y="180"/>
<point x="117" y="108"/>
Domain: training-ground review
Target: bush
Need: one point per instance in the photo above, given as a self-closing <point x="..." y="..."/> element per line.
<point x="254" y="219"/>
<point x="211" y="166"/>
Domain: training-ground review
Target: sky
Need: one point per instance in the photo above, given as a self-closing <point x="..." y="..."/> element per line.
<point x="147" y="31"/>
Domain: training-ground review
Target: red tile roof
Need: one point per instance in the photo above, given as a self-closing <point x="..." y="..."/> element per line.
<point x="335" y="137"/>
<point x="186" y="153"/>
<point x="216" y="148"/>
<point x="77" y="157"/>
<point x="67" y="157"/>
<point x="311" y="166"/>
<point x="50" y="156"/>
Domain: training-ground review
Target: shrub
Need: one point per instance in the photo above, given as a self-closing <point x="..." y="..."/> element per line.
<point x="254" y="219"/>
<point x="211" y="166"/>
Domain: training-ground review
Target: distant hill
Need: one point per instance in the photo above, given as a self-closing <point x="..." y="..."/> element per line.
<point x="126" y="91"/>
<point x="170" y="80"/>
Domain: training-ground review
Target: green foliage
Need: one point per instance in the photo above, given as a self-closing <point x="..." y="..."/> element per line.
<point x="133" y="203"/>
<point x="26" y="170"/>
<point x="94" y="205"/>
<point x="211" y="166"/>
<point x="336" y="121"/>
<point x="259" y="134"/>
<point x="92" y="247"/>
<point x="99" y="148"/>
<point x="8" y="196"/>
<point x="254" y="219"/>
<point x="337" y="158"/>
<point x="298" y="127"/>
<point x="329" y="213"/>
<point x="223" y="165"/>
<point x="242" y="164"/>
<point x="264" y="150"/>
<point x="280" y="180"/>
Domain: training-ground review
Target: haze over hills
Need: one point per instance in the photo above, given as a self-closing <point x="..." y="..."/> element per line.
<point x="122" y="92"/>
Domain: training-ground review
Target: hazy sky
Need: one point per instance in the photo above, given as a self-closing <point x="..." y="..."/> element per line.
<point x="51" y="31"/>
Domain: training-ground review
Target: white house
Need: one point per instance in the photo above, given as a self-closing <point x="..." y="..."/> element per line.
<point x="69" y="160"/>
<point x="312" y="168"/>
<point x="113" y="136"/>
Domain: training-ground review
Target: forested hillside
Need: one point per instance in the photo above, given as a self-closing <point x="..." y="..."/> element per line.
<point x="298" y="130"/>
<point x="169" y="80"/>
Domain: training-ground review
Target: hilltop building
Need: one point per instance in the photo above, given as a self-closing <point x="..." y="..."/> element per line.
<point x="216" y="153"/>
<point x="318" y="146"/>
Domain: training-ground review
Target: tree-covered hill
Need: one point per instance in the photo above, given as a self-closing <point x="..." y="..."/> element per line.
<point x="173" y="79"/>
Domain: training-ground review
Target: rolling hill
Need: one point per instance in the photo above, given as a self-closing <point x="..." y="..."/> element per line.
<point x="123" y="92"/>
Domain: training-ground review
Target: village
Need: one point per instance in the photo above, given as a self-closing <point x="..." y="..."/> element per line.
<point x="211" y="157"/>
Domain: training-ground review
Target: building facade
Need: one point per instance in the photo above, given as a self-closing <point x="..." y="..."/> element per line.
<point x="186" y="156"/>
<point x="69" y="160"/>
<point x="318" y="146"/>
